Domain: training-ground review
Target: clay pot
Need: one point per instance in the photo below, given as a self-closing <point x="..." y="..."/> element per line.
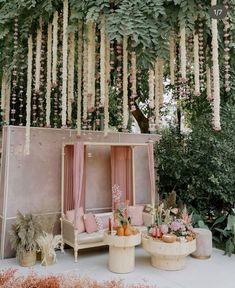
<point x="47" y="260"/>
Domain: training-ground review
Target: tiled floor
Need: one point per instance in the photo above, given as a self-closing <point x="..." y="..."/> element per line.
<point x="216" y="272"/>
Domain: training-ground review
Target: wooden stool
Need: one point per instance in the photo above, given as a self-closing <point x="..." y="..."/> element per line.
<point x="204" y="244"/>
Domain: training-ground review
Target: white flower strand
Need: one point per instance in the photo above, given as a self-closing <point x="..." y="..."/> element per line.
<point x="79" y="79"/>
<point x="125" y="82"/>
<point x="90" y="65"/>
<point x="107" y="76"/>
<point x="208" y="83"/>
<point x="102" y="61"/>
<point x="29" y="94"/>
<point x="7" y="99"/>
<point x="3" y="92"/>
<point x="38" y="56"/>
<point x="156" y="72"/>
<point x="65" y="61"/>
<point x="55" y="49"/>
<point x="216" y="80"/>
<point x="160" y="81"/>
<point x="196" y="65"/>
<point x="85" y="56"/>
<point x="71" y="75"/>
<point x="151" y="88"/>
<point x="93" y="65"/>
<point x="49" y="59"/>
<point x="172" y="59"/>
<point x="183" y="54"/>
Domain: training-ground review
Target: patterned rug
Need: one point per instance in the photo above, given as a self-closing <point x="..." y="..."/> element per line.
<point x="11" y="279"/>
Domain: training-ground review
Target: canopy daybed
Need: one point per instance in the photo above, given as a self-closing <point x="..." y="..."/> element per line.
<point x="120" y="170"/>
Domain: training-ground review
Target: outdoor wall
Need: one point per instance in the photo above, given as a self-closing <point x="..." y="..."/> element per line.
<point x="32" y="183"/>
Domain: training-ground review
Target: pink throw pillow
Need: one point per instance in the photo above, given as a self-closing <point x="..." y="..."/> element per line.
<point x="80" y="223"/>
<point x="136" y="215"/>
<point x="90" y="223"/>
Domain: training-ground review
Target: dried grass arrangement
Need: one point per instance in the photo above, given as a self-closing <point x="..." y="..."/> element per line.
<point x="23" y="235"/>
<point x="9" y="279"/>
<point x="47" y="244"/>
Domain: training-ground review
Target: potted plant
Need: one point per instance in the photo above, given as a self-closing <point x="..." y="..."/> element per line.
<point x="47" y="244"/>
<point x="23" y="235"/>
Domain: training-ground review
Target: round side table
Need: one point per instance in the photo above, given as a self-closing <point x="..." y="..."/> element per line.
<point x="168" y="256"/>
<point x="121" y="252"/>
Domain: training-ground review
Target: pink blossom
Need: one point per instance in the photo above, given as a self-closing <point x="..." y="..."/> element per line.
<point x="164" y="228"/>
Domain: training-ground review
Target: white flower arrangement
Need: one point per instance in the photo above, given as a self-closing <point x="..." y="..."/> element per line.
<point x="55" y="49"/>
<point x="71" y="75"/>
<point x="38" y="56"/>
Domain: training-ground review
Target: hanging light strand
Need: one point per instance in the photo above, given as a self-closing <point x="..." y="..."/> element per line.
<point x="125" y="83"/>
<point x="49" y="70"/>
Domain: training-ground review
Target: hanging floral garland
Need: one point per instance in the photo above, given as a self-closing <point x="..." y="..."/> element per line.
<point x="196" y="65"/>
<point x="107" y="77"/>
<point x="151" y="88"/>
<point x="54" y="48"/>
<point x="71" y="75"/>
<point x="41" y="94"/>
<point x="3" y="93"/>
<point x="15" y="72"/>
<point x="119" y="84"/>
<point x="133" y="81"/>
<point x="226" y="50"/>
<point x="125" y="83"/>
<point x="79" y="85"/>
<point x="172" y="59"/>
<point x="216" y="80"/>
<point x="156" y="103"/>
<point x="65" y="58"/>
<point x="29" y="93"/>
<point x="201" y="55"/>
<point x="38" y="56"/>
<point x="183" y="54"/>
<point x="208" y="83"/>
<point x="49" y="60"/>
<point x="102" y="60"/>
<point x="160" y="81"/>
<point x="21" y="89"/>
<point x="91" y="65"/>
<point x="97" y="83"/>
<point x="85" y="60"/>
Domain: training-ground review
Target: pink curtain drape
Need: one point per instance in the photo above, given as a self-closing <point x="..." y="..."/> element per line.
<point x="121" y="171"/>
<point x="151" y="172"/>
<point x="79" y="178"/>
<point x="68" y="178"/>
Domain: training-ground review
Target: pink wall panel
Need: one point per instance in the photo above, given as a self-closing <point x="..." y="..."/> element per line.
<point x="34" y="181"/>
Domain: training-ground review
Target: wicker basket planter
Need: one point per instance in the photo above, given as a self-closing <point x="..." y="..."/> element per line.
<point x="27" y="259"/>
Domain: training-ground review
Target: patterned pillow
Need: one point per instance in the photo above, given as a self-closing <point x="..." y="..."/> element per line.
<point x="136" y="215"/>
<point x="102" y="220"/>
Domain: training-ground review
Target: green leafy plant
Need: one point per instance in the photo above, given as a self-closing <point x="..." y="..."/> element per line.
<point x="24" y="232"/>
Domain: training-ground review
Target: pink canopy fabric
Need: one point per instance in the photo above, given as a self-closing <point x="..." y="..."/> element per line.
<point x="68" y="178"/>
<point x="121" y="170"/>
<point x="79" y="177"/>
<point x="151" y="172"/>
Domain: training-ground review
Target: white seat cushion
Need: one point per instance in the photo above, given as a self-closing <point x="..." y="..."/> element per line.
<point x="84" y="238"/>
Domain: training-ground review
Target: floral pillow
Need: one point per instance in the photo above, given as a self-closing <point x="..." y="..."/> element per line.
<point x="102" y="220"/>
